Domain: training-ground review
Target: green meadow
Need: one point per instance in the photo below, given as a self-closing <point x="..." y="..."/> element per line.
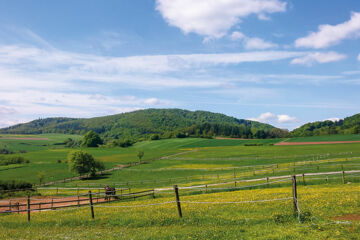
<point x="217" y="212"/>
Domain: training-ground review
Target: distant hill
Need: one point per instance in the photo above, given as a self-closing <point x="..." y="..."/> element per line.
<point x="143" y="123"/>
<point x="350" y="125"/>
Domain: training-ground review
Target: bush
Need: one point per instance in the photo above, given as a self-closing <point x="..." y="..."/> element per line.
<point x="12" y="160"/>
<point x="154" y="137"/>
<point x="14" y="184"/>
<point x="5" y="151"/>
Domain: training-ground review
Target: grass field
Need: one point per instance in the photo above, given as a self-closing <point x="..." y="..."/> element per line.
<point x="198" y="158"/>
<point x="326" y="138"/>
<point x="191" y="162"/>
<point x="321" y="205"/>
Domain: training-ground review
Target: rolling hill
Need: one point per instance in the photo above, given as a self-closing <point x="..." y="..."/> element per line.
<point x="143" y="123"/>
<point x="350" y="125"/>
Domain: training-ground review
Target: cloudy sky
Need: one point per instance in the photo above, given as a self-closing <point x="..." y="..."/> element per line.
<point x="284" y="62"/>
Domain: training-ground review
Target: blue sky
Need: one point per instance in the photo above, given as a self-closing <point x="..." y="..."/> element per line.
<point x="277" y="61"/>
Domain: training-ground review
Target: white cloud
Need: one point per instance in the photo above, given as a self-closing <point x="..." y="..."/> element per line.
<point x="152" y="101"/>
<point x="358" y="58"/>
<point x="258" y="43"/>
<point x="252" y="43"/>
<point x="318" y="57"/>
<point x="237" y="36"/>
<point x="265" y="117"/>
<point x="356" y="72"/>
<point x="283" y="118"/>
<point x="332" y="119"/>
<point x="269" y="117"/>
<point x="329" y="35"/>
<point x="213" y="18"/>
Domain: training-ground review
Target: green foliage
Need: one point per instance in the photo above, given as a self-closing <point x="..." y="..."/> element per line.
<point x="41" y="177"/>
<point x="14" y="184"/>
<point x="4" y="161"/>
<point x="140" y="155"/>
<point x="350" y="125"/>
<point x="91" y="139"/>
<point x="82" y="162"/>
<point x="155" y="137"/>
<point x="71" y="143"/>
<point x="5" y="151"/>
<point x="134" y="125"/>
<point x="121" y="143"/>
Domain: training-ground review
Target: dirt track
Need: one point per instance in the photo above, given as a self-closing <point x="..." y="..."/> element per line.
<point x="46" y="203"/>
<point x="312" y="143"/>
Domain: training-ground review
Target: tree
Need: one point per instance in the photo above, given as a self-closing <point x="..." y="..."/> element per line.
<point x="82" y="162"/>
<point x="41" y="177"/>
<point x="140" y="155"/>
<point x="91" y="139"/>
<point x="154" y="137"/>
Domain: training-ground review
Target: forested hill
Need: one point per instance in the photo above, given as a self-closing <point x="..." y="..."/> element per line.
<point x="350" y="125"/>
<point x="143" y="123"/>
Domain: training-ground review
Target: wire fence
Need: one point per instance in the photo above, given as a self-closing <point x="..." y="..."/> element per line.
<point x="100" y="199"/>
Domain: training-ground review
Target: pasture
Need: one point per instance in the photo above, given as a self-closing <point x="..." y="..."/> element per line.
<point x="222" y="215"/>
<point x="232" y="206"/>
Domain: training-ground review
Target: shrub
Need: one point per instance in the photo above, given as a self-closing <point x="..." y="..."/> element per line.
<point x="12" y="160"/>
<point x="14" y="184"/>
<point x="5" y="151"/>
<point x="154" y="137"/>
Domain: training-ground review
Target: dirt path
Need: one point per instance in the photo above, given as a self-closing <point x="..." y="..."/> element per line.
<point x="312" y="143"/>
<point x="42" y="203"/>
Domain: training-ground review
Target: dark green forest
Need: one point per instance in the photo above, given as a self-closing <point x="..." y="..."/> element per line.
<point x="165" y="123"/>
<point x="350" y="125"/>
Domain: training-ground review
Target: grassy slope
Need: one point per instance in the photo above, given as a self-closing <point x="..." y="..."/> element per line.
<point x="353" y="137"/>
<point x="214" y="157"/>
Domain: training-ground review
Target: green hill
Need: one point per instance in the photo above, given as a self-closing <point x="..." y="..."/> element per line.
<point x="143" y="123"/>
<point x="350" y="125"/>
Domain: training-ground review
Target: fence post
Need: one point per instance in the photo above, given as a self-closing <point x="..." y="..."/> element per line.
<point x="52" y="203"/>
<point x="343" y="177"/>
<point x="91" y="205"/>
<point x="57" y="190"/>
<point x="97" y="199"/>
<point x="28" y="208"/>
<point x="18" y="207"/>
<point x="78" y="200"/>
<point x="303" y="177"/>
<point x="178" y="200"/>
<point x="235" y="183"/>
<point x="10" y="207"/>
<point x="267" y="181"/>
<point x="294" y="191"/>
